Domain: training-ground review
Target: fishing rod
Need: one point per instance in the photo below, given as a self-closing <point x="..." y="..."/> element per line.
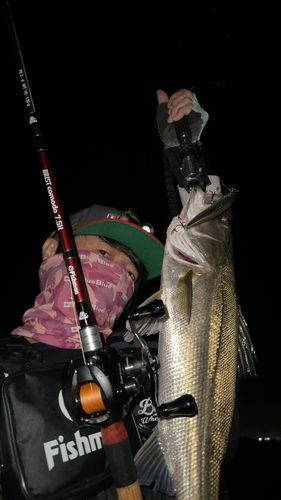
<point x="91" y="339"/>
<point x="95" y="392"/>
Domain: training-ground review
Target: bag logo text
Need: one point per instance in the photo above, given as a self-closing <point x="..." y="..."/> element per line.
<point x="81" y="445"/>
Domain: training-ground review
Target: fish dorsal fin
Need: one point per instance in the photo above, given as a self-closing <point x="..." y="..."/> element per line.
<point x="152" y="467"/>
<point x="184" y="294"/>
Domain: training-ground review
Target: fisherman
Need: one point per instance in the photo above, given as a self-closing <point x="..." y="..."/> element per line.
<point x="116" y="256"/>
<point x="53" y="321"/>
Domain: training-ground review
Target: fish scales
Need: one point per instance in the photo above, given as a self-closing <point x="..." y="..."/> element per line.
<point x="198" y="350"/>
<point x="199" y="357"/>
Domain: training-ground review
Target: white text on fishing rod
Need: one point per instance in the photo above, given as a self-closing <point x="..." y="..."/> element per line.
<point x="25" y="88"/>
<point x="48" y="183"/>
<point x="71" y="272"/>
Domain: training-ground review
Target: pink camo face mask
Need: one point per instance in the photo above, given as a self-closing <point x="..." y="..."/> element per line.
<point x="53" y="319"/>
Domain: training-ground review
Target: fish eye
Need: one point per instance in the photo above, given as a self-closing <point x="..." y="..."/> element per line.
<point x="225" y="220"/>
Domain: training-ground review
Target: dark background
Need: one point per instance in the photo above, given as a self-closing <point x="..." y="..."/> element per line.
<point x="94" y="69"/>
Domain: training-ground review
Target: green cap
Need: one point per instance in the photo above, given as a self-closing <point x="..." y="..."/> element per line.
<point x="146" y="246"/>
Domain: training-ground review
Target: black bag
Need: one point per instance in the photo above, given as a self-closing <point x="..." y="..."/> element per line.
<point x="45" y="456"/>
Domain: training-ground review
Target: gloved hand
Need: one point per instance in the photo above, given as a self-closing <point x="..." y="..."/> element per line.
<point x="180" y="104"/>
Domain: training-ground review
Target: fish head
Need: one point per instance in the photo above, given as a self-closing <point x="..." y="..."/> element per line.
<point x="201" y="237"/>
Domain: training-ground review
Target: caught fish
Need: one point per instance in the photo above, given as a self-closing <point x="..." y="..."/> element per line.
<point x="198" y="348"/>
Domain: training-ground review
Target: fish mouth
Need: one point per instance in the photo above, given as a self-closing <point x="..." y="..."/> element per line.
<point x="187" y="259"/>
<point x="214" y="210"/>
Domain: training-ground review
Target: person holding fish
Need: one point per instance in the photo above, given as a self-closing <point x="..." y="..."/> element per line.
<point x="116" y="254"/>
<point x="94" y="228"/>
<point x="201" y="338"/>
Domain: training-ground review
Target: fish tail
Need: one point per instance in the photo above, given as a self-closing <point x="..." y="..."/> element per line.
<point x="152" y="467"/>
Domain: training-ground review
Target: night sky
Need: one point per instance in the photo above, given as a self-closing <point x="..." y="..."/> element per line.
<point x="94" y="69"/>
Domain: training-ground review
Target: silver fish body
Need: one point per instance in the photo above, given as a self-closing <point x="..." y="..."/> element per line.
<point x="198" y="347"/>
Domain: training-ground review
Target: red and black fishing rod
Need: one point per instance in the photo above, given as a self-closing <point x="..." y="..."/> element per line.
<point x="115" y="437"/>
<point x="91" y="339"/>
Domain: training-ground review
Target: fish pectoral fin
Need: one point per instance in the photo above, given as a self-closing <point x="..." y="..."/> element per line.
<point x="184" y="294"/>
<point x="151" y="466"/>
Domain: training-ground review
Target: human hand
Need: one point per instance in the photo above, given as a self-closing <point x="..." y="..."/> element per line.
<point x="49" y="248"/>
<point x="179" y="104"/>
